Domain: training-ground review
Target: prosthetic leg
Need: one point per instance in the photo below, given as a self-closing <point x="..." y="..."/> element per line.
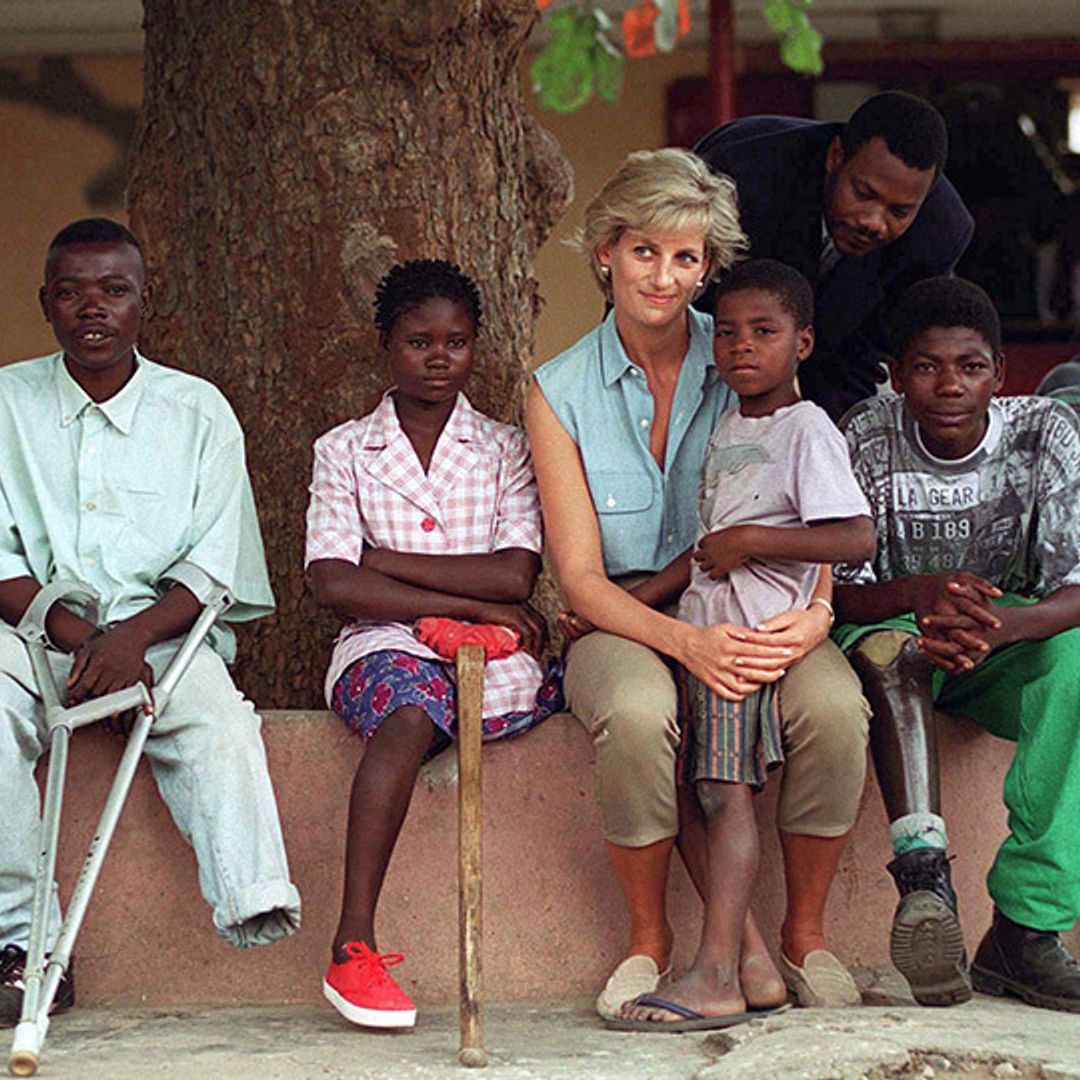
<point x="896" y="680"/>
<point x="470" y="698"/>
<point x="927" y="942"/>
<point x="41" y="979"/>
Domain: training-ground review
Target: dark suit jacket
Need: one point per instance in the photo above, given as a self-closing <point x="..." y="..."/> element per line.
<point x="778" y="165"/>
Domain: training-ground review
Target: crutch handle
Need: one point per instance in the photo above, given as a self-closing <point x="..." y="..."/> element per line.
<point x="31" y="626"/>
<point x="200" y="584"/>
<point x="217" y="599"/>
<point x="119" y="701"/>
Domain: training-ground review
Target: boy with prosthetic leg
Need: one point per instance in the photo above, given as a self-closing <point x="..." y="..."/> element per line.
<point x="971" y="605"/>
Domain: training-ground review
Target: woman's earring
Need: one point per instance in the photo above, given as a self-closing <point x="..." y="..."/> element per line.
<point x="605" y="270"/>
<point x="701" y="284"/>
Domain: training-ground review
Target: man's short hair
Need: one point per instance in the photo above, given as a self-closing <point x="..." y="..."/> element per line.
<point x="94" y="230"/>
<point x="912" y="129"/>
<point x="792" y="291"/>
<point x="943" y="302"/>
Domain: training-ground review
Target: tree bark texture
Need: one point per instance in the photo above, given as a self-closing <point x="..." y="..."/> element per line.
<point x="290" y="152"/>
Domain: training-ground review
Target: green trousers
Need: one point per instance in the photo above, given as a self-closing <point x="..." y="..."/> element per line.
<point x="1029" y="693"/>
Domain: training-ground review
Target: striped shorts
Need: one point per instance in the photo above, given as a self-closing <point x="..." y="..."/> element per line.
<point x="735" y="741"/>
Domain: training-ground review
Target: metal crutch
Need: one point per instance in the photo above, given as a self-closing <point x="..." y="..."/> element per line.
<point x="470" y="709"/>
<point x="41" y="981"/>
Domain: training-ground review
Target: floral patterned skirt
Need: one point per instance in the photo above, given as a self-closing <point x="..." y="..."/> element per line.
<point x="377" y="685"/>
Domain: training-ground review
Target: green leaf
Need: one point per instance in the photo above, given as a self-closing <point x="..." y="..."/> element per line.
<point x="578" y="60"/>
<point x="561" y="22"/>
<point x="778" y="14"/>
<point x="563" y="72"/>
<point x="609" y="72"/>
<point x="801" y="49"/>
<point x="800" y="43"/>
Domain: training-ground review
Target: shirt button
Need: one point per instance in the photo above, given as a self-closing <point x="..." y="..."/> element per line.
<point x="643" y="422"/>
<point x="610" y="501"/>
<point x="671" y="538"/>
<point x="91" y="505"/>
<point x="90" y="561"/>
<point x="427" y="524"/>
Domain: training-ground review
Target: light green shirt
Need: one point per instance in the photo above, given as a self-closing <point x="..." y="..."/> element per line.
<point x="115" y="494"/>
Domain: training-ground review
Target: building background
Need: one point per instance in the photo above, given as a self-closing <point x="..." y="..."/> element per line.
<point x="71" y="84"/>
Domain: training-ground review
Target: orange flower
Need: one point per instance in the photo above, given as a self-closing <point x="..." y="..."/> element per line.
<point x="541" y="4"/>
<point x="639" y="29"/>
<point x="684" y="18"/>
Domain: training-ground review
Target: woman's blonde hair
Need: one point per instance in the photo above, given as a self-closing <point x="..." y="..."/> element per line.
<point x="664" y="190"/>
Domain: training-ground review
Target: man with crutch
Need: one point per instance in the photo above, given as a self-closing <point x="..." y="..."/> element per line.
<point x="129" y="477"/>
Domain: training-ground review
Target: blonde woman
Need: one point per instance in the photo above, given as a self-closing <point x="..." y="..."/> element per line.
<point x="619" y="425"/>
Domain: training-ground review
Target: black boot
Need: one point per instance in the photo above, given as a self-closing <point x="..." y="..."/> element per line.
<point x="1033" y="965"/>
<point x="12" y="970"/>
<point x="927" y="942"/>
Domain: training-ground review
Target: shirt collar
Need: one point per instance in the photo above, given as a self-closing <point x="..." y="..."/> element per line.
<point x="988" y="444"/>
<point x="385" y="427"/>
<point x="830" y="253"/>
<point x="614" y="363"/>
<point x="119" y="410"/>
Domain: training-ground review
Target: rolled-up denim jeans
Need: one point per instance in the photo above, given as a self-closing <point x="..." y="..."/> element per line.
<point x="209" y="762"/>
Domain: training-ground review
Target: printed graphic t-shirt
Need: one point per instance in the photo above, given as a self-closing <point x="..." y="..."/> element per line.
<point x="1006" y="512"/>
<point x="785" y="470"/>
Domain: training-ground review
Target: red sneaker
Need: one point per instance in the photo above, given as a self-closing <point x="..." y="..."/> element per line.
<point x="364" y="992"/>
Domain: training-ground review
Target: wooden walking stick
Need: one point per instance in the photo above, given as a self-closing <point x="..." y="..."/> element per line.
<point x="470" y="704"/>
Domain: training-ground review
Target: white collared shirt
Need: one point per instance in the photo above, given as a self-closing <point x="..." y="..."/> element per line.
<point x="115" y="493"/>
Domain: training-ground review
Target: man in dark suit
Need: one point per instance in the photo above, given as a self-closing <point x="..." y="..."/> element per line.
<point x="861" y="209"/>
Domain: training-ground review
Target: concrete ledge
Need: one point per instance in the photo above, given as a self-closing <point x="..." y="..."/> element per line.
<point x="553" y="916"/>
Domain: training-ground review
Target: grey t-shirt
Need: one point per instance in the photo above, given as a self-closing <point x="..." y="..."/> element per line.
<point x="1007" y="511"/>
<point x="785" y="470"/>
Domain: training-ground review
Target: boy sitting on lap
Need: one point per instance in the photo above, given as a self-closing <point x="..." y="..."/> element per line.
<point x="777" y="500"/>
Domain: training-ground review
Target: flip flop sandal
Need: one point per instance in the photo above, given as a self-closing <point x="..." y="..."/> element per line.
<point x="689" y="1019"/>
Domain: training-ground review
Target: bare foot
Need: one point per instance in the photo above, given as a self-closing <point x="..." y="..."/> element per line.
<point x="761" y="982"/>
<point x="709" y="996"/>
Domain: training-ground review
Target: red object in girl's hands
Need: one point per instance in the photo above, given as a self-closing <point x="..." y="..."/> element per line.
<point x="445" y="636"/>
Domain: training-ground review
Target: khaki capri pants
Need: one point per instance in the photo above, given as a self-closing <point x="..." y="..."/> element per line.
<point x="624" y="694"/>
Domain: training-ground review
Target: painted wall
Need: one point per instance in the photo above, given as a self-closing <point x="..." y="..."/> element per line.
<point x="48" y="159"/>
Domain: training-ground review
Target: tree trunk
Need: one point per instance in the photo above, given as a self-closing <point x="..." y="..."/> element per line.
<point x="290" y="152"/>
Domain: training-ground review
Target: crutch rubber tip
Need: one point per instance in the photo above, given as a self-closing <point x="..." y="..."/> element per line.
<point x="23" y="1063"/>
<point x="472" y="1057"/>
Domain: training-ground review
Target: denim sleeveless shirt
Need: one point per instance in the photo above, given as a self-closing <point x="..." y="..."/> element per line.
<point x="647" y="516"/>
